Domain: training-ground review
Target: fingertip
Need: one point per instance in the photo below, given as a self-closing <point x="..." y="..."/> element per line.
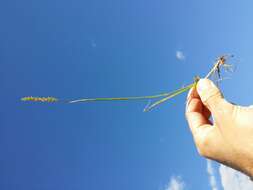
<point x="210" y="95"/>
<point x="189" y="93"/>
<point x="206" y="88"/>
<point x="204" y="84"/>
<point x="192" y="93"/>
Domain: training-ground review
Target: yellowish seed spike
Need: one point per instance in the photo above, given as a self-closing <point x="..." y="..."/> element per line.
<point x="40" y="99"/>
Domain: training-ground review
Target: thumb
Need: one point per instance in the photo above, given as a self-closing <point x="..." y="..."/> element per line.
<point x="210" y="95"/>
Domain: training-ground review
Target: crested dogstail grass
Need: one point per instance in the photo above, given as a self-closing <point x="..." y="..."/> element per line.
<point x="39" y="99"/>
<point x="163" y="97"/>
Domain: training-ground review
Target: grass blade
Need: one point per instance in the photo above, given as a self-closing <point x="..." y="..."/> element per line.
<point x="121" y="98"/>
<point x="171" y="95"/>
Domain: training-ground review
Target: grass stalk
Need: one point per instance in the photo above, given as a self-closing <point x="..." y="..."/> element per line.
<point x="164" y="96"/>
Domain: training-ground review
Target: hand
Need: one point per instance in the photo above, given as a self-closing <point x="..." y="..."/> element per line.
<point x="228" y="138"/>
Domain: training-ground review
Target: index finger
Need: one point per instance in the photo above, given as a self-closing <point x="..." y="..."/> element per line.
<point x="196" y="112"/>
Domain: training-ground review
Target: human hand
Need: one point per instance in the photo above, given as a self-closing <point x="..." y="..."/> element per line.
<point x="228" y="138"/>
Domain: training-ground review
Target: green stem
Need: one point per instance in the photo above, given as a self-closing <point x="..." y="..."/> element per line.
<point x="173" y="94"/>
<point x="130" y="98"/>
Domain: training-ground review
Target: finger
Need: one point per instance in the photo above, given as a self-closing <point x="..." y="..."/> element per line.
<point x="210" y="95"/>
<point x="195" y="115"/>
<point x="194" y="94"/>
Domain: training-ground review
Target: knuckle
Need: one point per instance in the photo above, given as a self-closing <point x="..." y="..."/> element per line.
<point x="203" y="147"/>
<point x="212" y="98"/>
<point x="201" y="152"/>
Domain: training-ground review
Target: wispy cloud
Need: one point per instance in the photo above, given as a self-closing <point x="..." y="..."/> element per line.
<point x="175" y="183"/>
<point x="93" y="44"/>
<point x="180" y="55"/>
<point x="234" y="180"/>
<point x="211" y="175"/>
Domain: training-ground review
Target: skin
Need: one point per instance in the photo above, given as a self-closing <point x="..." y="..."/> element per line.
<point x="221" y="130"/>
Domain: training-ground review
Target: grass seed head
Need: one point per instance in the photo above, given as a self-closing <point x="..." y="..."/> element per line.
<point x="39" y="99"/>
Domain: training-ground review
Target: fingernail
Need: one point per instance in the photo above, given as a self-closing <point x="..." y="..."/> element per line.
<point x="189" y="93"/>
<point x="203" y="85"/>
<point x="187" y="103"/>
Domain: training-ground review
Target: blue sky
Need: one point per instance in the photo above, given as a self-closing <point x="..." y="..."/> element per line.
<point x="94" y="48"/>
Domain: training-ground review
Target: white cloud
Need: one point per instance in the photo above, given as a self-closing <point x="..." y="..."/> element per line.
<point x="93" y="44"/>
<point x="176" y="183"/>
<point x="211" y="175"/>
<point x="234" y="180"/>
<point x="180" y="55"/>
